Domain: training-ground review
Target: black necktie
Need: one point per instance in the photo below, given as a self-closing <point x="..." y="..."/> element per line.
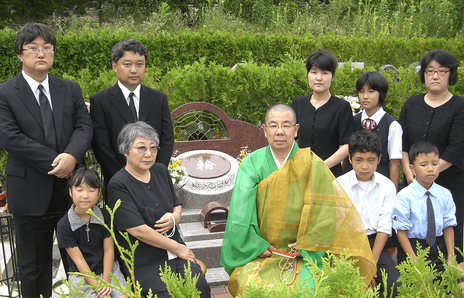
<point x="132" y="106"/>
<point x="47" y="120"/>
<point x="431" y="232"/>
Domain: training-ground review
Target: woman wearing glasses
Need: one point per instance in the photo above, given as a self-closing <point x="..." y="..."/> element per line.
<point x="326" y="121"/>
<point x="149" y="212"/>
<point x="438" y="117"/>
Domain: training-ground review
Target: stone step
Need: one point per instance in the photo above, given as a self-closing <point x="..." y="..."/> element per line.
<point x="195" y="231"/>
<point x="217" y="276"/>
<point x="193" y="215"/>
<point x="208" y="251"/>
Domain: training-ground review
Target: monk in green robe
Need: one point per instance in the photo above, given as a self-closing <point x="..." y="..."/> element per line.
<point x="286" y="198"/>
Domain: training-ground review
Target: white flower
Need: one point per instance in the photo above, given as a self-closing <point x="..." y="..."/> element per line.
<point x="173" y="181"/>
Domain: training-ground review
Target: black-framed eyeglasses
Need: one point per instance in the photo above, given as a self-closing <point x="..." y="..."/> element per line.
<point x="143" y="149"/>
<point x="440" y="72"/>
<point x="275" y="127"/>
<point x="34" y="50"/>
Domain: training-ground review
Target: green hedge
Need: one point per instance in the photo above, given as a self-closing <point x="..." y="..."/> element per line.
<point x="251" y="89"/>
<point x="91" y="49"/>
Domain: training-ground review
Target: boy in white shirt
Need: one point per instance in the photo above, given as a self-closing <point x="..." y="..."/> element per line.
<point x="373" y="194"/>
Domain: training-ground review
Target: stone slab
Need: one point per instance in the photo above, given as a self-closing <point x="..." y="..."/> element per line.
<point x="206" y="166"/>
<point x="195" y="232"/>
<point x="217" y="276"/>
<point x="208" y="251"/>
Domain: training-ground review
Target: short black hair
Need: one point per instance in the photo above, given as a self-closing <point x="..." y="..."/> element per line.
<point x="375" y="81"/>
<point x="446" y="59"/>
<point x="421" y="148"/>
<point x="324" y="60"/>
<point x="364" y="141"/>
<point x="29" y="32"/>
<point x="83" y="174"/>
<point x="131" y="45"/>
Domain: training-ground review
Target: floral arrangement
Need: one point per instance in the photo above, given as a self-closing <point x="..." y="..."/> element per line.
<point x="177" y="171"/>
<point x="354" y="103"/>
<point x="243" y="153"/>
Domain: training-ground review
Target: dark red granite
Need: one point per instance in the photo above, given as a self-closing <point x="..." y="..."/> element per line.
<point x="241" y="133"/>
<point x="206" y="166"/>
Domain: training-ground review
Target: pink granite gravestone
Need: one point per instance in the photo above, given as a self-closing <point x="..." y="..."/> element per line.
<point x="230" y="140"/>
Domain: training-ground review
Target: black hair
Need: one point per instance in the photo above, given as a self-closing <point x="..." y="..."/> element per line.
<point x="324" y="60"/>
<point x="375" y="81"/>
<point x="29" y="32"/>
<point x="364" y="141"/>
<point x="446" y="59"/>
<point x="421" y="148"/>
<point x="131" y="45"/>
<point x="83" y="174"/>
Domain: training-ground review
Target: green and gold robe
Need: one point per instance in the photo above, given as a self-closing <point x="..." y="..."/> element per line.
<point x="300" y="202"/>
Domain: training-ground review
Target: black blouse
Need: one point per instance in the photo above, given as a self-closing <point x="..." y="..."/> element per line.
<point x="144" y="203"/>
<point x="442" y="126"/>
<point x="72" y="232"/>
<point x="324" y="129"/>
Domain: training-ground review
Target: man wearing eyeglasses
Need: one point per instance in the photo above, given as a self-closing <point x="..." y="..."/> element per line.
<point x="126" y="102"/>
<point x="46" y="129"/>
<point x="286" y="199"/>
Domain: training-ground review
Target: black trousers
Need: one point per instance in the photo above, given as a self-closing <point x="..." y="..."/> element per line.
<point x="455" y="184"/>
<point x="386" y="262"/>
<point x="202" y="285"/>
<point x="34" y="244"/>
<point x="433" y="253"/>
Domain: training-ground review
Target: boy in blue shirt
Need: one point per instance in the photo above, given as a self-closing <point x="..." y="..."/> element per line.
<point x="373" y="195"/>
<point x="424" y="212"/>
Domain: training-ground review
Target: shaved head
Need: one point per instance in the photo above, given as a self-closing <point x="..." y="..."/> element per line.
<point x="280" y="107"/>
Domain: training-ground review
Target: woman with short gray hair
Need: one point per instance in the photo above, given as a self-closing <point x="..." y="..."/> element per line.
<point x="149" y="212"/>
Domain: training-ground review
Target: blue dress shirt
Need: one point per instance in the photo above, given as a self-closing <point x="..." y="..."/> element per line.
<point x="410" y="209"/>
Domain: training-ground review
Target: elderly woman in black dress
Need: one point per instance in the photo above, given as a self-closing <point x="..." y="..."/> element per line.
<point x="149" y="211"/>
<point x="326" y="121"/>
<point x="438" y="117"/>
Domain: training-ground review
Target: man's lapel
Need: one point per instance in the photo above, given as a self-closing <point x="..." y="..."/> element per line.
<point x="144" y="103"/>
<point x="118" y="100"/>
<point x="26" y="95"/>
<point x="58" y="98"/>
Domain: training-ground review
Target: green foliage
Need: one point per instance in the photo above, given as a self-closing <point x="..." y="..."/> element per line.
<point x="90" y="50"/>
<point x="337" y="278"/>
<point x="420" y="279"/>
<point x="254" y="290"/>
<point x="178" y="286"/>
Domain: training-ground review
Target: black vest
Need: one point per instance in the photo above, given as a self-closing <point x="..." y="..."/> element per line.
<point x="381" y="130"/>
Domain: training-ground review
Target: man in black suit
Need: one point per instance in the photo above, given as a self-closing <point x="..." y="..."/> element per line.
<point x="46" y="129"/>
<point x="126" y="102"/>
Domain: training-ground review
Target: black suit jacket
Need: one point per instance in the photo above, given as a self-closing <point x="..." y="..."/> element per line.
<point x="21" y="135"/>
<point x="110" y="112"/>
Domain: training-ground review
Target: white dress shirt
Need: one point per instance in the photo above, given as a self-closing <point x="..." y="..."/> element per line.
<point x="34" y="85"/>
<point x="395" y="134"/>
<point x="374" y="203"/>
<point x="126" y="92"/>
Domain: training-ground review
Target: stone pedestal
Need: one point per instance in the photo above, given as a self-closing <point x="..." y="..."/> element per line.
<point x="211" y="178"/>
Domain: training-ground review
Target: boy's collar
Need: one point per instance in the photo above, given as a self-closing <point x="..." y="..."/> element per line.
<point x="354" y="179"/>
<point x="422" y="190"/>
<point x="76" y="222"/>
